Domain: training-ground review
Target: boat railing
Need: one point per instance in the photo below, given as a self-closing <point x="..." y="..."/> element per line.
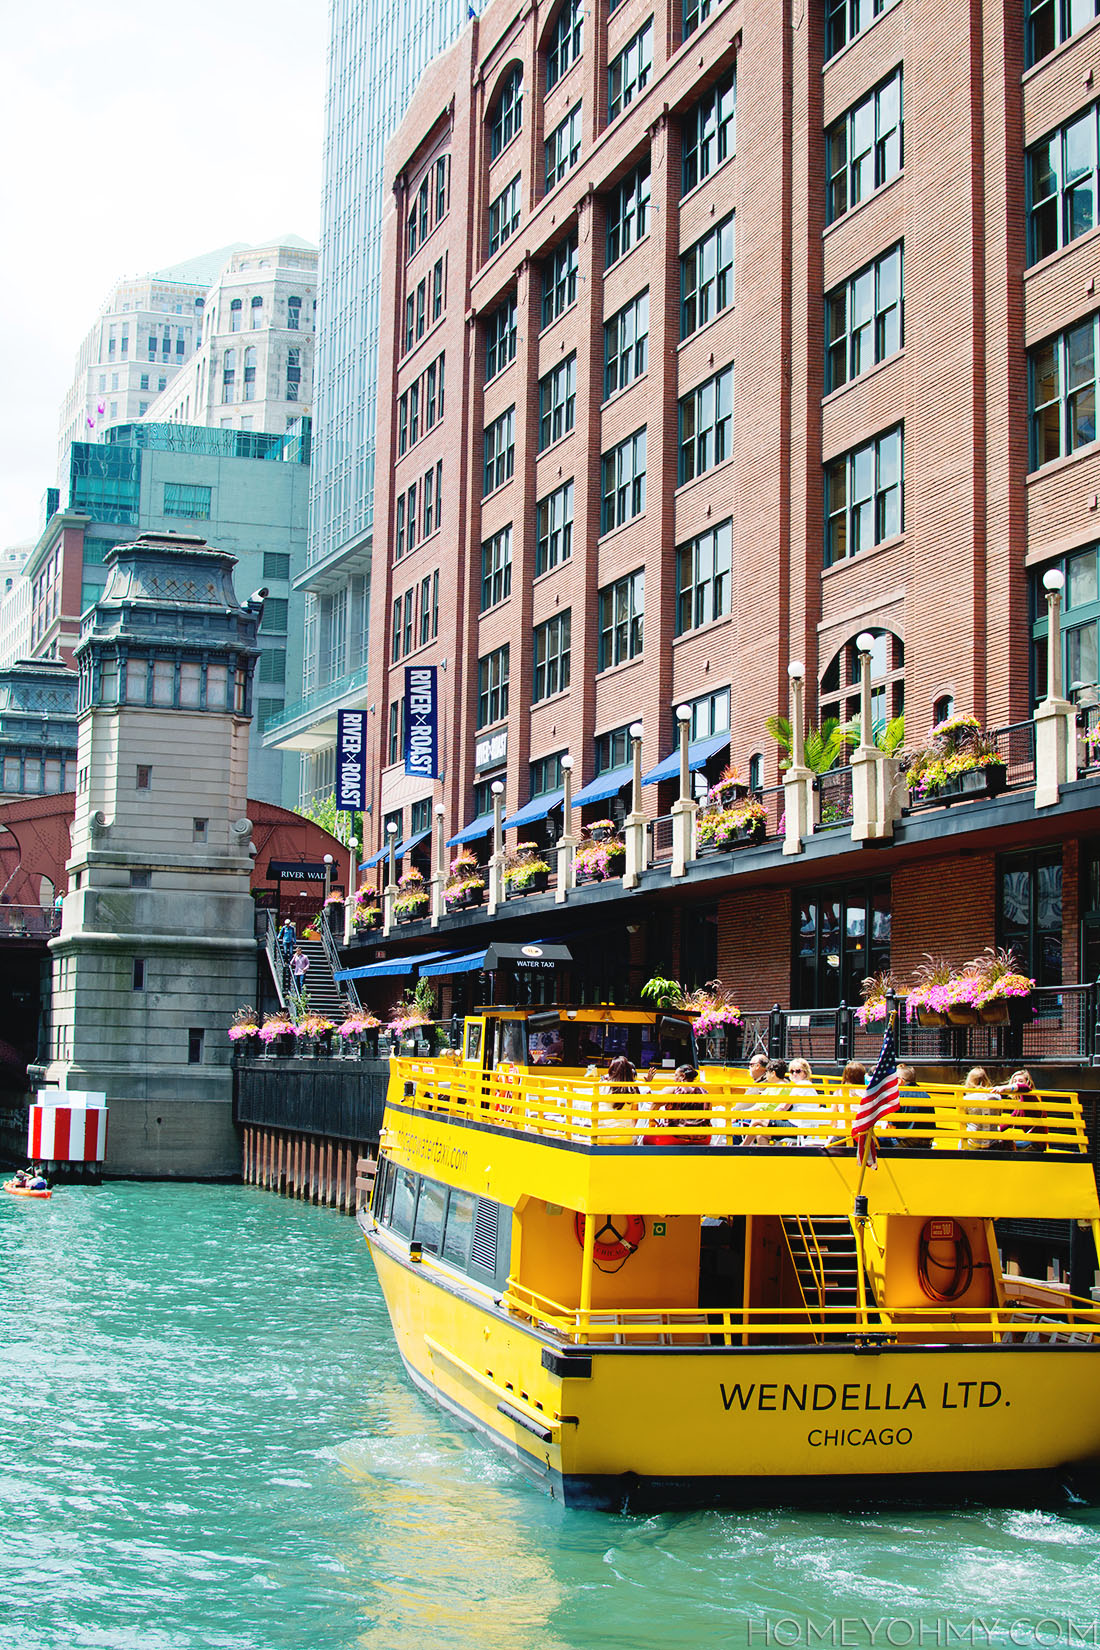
<point x="574" y="1105"/>
<point x="1070" y="1321"/>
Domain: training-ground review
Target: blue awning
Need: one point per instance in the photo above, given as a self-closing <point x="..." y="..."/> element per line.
<point x="466" y="964"/>
<point x="479" y="827"/>
<point x="412" y="842"/>
<point x="536" y="809"/>
<point x="604" y="785"/>
<point x="375" y="859"/>
<point x="698" y="753"/>
<point x="392" y="965"/>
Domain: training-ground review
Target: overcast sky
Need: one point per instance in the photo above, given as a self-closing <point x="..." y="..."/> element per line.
<point x="135" y="136"/>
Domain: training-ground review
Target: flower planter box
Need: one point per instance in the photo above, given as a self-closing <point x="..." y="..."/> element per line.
<point x="994" y="1013"/>
<point x="413" y="916"/>
<point x="963" y="1015"/>
<point x="977" y="782"/>
<point x="600" y="833"/>
<point x="285" y="1045"/>
<point x="537" y="884"/>
<point x="471" y="897"/>
<point x="931" y="1017"/>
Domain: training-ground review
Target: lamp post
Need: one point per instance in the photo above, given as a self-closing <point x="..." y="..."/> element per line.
<point x="440" y="867"/>
<point x="323" y="919"/>
<point x="683" y="727"/>
<point x="566" y="842"/>
<point x="353" y="883"/>
<point x="798" y="780"/>
<point x="1053" y="583"/>
<point x="864" y="646"/>
<point x="635" y="824"/>
<point x="684" y="809"/>
<point x="875" y="803"/>
<point x="795" y="674"/>
<point x="389" y="893"/>
<point x="1055" y="718"/>
<point x="496" y="859"/>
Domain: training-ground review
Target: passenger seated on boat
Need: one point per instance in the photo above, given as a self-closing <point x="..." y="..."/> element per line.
<point x="853" y="1080"/>
<point x="977" y="1079"/>
<point x="775" y="1097"/>
<point x="1025" y="1119"/>
<point x="908" y="1116"/>
<point x="618" y="1090"/>
<point x="801" y="1074"/>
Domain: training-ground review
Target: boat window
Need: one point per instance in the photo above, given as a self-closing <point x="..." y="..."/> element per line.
<point x="459" y="1229"/>
<point x="382" y="1181"/>
<point x="473" y="1039"/>
<point x="512" y="1042"/>
<point x="429" y="1215"/>
<point x="404" y="1202"/>
<point x="675" y="1043"/>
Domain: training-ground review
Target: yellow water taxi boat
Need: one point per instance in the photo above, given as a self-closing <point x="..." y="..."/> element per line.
<point x="654" y="1297"/>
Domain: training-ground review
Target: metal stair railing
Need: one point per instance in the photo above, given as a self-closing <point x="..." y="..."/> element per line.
<point x="275" y="959"/>
<point x="343" y="987"/>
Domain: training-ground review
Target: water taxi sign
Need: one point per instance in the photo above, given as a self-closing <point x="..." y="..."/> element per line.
<point x="526" y="956"/>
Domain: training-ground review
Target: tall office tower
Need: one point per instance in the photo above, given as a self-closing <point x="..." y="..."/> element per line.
<point x="377" y="54"/>
<point x="145" y="331"/>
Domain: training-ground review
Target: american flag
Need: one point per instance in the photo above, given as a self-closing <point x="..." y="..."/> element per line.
<point x="880" y="1097"/>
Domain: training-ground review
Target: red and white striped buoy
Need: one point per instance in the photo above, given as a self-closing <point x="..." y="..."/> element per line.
<point x="69" y="1133"/>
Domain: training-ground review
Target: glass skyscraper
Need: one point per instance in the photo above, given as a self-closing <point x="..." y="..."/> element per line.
<point x="378" y="50"/>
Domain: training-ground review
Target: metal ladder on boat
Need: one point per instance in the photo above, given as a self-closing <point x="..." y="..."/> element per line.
<point x="825" y="1259"/>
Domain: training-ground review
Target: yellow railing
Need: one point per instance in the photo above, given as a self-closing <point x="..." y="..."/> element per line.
<point x="1069" y="1321"/>
<point x="574" y="1106"/>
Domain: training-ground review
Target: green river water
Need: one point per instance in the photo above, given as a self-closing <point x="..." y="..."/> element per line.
<point x="208" y="1442"/>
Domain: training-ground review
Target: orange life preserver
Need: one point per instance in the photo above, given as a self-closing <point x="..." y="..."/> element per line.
<point x="614" y="1244"/>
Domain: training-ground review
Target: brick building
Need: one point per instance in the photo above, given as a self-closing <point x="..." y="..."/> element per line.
<point x="713" y="337"/>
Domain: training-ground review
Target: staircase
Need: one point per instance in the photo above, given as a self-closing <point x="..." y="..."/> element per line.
<point x="319" y="984"/>
<point x="825" y="1259"/>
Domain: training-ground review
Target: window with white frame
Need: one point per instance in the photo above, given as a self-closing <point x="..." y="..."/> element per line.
<point x="709" y="132"/>
<point x="706" y="425"/>
<point x="626" y="344"/>
<point x="629" y="70"/>
<point x="628" y="212"/>
<point x="703" y="577"/>
<point x="706" y="277"/>
<point x="557" y="401"/>
<point x="864" y="147"/>
<point x="864" y="496"/>
<point x="551" y="657"/>
<point x="563" y="147"/>
<point x="554" y="540"/>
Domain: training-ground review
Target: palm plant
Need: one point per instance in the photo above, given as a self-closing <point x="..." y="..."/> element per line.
<point x="885" y="736"/>
<point x="823" y="745"/>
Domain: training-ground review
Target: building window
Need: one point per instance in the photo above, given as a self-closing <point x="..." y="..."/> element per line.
<point x="557" y="401"/>
<point x="710" y="714"/>
<point x="442" y="186"/>
<point x="276" y="565"/>
<point x="506" y="117"/>
<point x="706" y="277"/>
<point x="141" y="879"/>
<point x="612" y="749"/>
<point x="623" y="491"/>
<point x="703" y="578"/>
<point x="844" y="19"/>
<point x="199" y="830"/>
<point x="235" y="315"/>
<point x="1062" y="186"/>
<point x="1080" y="622"/>
<point x="622" y="620"/>
<point x="138" y="974"/>
<point x="626" y="344"/>
<point x="709" y="133"/>
<point x="551" y="669"/>
<point x="706" y="425"/>
<point x="863" y="494"/>
<point x="294" y="314"/>
<point x="504" y="215"/>
<point x="250" y="373"/>
<point x="272" y="668"/>
<point x="546" y="775"/>
<point x="554" y="542"/>
<point x="421" y="307"/>
<point x="496" y="568"/>
<point x="500" y="450"/>
<point x="563" y="147"/>
<point x="1050" y="22"/>
<point x="275" y="615"/>
<point x="1062" y="390"/>
<point x="863" y="319"/>
<point x="144" y="779"/>
<point x="864" y="148"/>
<point x="229" y="374"/>
<point x="293" y="373"/>
<point x="838" y="694"/>
<point x="186" y="499"/>
<point x="143" y="381"/>
<point x="257" y="316"/>
<point x="492" y="687"/>
<point x="438" y="287"/>
<point x="396" y="729"/>
<point x="195" y="1040"/>
<point x="841" y="936"/>
<point x="566" y="41"/>
<point x="559" y="279"/>
<point x="1029" y="912"/>
<point x="629" y="71"/>
<point x="500" y="338"/>
<point x="628" y="212"/>
<point x="427" y="506"/>
<point x="696" y="12"/>
<point x="425" y="611"/>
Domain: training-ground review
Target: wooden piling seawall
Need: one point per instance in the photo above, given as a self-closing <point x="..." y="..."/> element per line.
<point x="309" y="1128"/>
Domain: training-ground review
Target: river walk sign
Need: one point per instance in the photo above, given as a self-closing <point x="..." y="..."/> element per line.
<point x="421" y="722"/>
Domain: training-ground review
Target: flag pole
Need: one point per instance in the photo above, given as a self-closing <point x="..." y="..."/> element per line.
<point x="866" y="1146"/>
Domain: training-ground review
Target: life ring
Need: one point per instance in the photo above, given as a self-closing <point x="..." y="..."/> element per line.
<point x="614" y="1243"/>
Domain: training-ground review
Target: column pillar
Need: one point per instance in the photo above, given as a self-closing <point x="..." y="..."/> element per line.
<point x="635" y="819"/>
<point x="684" y="809"/>
<point x="439" y="876"/>
<point x="567" y="842"/>
<point x="798" y="781"/>
<point x="1056" y="718"/>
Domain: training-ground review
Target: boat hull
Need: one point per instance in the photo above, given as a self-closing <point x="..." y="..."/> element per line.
<point x="657" y="1426"/>
<point x="24" y="1191"/>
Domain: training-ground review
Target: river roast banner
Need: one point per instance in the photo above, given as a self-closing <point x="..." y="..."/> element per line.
<point x="351" y="760"/>
<point x="421" y="722"/>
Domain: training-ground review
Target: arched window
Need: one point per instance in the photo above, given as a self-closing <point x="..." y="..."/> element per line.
<point x="506" y="115"/>
<point x="756" y="772"/>
<point x="943" y="708"/>
<point x="235" y="315"/>
<point x="566" y="41"/>
<point x="838" y="694"/>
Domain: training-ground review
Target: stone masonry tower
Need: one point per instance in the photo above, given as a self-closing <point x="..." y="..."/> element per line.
<point x="157" y="944"/>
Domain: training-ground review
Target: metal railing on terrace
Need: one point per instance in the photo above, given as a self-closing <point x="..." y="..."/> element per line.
<point x="338" y="689"/>
<point x="22" y="922"/>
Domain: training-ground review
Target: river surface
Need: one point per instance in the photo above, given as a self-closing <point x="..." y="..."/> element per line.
<point x="209" y="1444"/>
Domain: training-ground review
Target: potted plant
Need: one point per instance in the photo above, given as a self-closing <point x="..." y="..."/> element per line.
<point x="365" y="913"/>
<point x="874" y="991"/>
<point x="465" y="885"/>
<point x="334" y="913"/>
<point x="927" y="998"/>
<point x="245" y="1030"/>
<point x="1001" y="986"/>
<point x="411" y="900"/>
<point x="596" y="861"/>
<point x="716" y="1017"/>
<point x="723" y="827"/>
<point x="958" y="760"/>
<point x="600" y="829"/>
<point x="279" y="1030"/>
<point x="663" y="992"/>
<point x="311" y="932"/>
<point x="728" y="787"/>
<point x="318" y="1028"/>
<point x="525" y="870"/>
<point x="358" y="1027"/>
<point x="412" y="1012"/>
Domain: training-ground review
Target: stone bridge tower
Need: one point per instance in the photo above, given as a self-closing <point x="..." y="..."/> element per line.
<point x="157" y="945"/>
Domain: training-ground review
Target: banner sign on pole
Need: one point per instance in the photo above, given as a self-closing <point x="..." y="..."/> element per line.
<point x="421" y="722"/>
<point x="351" y="760"/>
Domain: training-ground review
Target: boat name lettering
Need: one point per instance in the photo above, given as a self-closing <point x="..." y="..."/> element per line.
<point x="885" y="1435"/>
<point x="420" y="1149"/>
<point x="853" y="1395"/>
